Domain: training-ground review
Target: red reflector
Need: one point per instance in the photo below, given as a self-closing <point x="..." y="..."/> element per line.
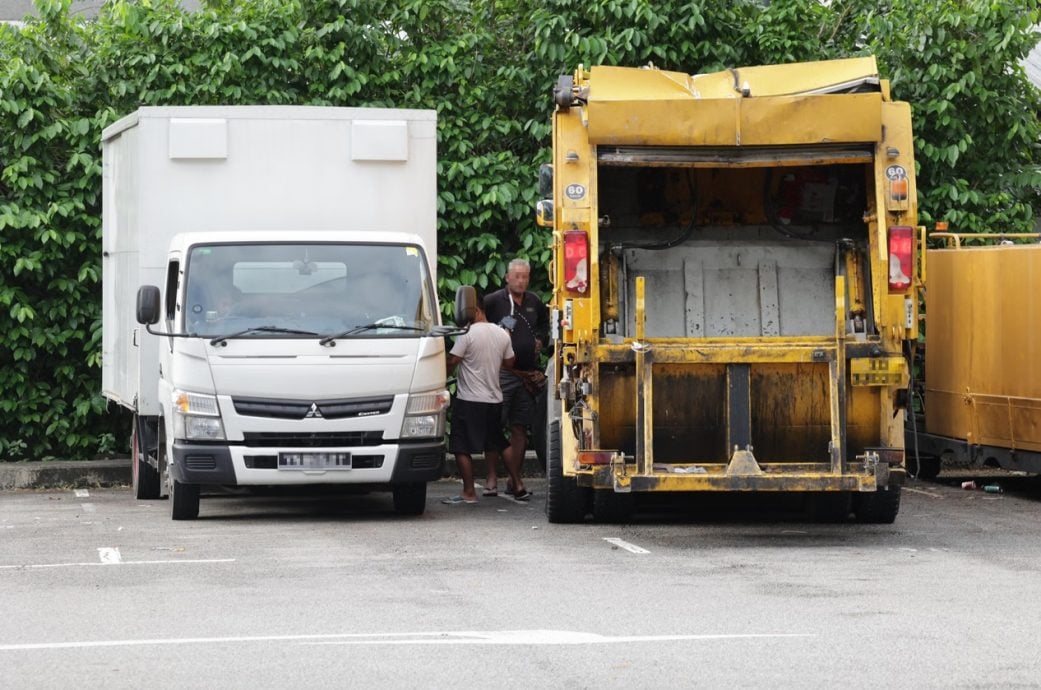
<point x="595" y="457"/>
<point x="901" y="253"/>
<point x="576" y="261"/>
<point x="898" y="189"/>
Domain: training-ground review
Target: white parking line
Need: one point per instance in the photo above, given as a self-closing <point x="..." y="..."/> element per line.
<point x="38" y="566"/>
<point x="109" y="556"/>
<point x="922" y="491"/>
<point x="82" y="493"/>
<point x="88" y="507"/>
<point x="502" y="637"/>
<point x="625" y="545"/>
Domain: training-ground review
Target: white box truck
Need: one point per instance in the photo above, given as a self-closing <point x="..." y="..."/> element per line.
<point x="285" y="329"/>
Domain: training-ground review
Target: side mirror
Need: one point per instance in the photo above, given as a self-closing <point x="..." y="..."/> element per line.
<point x="148" y="305"/>
<point x="546" y="181"/>
<point x="465" y="305"/>
<point x="544" y="213"/>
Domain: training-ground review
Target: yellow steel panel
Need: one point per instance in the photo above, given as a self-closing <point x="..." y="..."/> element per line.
<point x="777" y="477"/>
<point x="731" y="350"/>
<point x="573" y="163"/>
<point x="788" y="120"/>
<point x="675" y="122"/>
<point x="748" y="122"/>
<point x="800" y="77"/>
<point x="878" y="371"/>
<point x="863" y="416"/>
<point x="651" y="107"/>
<point x="791" y="418"/>
<point x="628" y="83"/>
<point x="983" y="376"/>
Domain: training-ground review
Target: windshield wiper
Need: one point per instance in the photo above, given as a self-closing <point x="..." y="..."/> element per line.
<point x="259" y="329"/>
<point x="368" y="327"/>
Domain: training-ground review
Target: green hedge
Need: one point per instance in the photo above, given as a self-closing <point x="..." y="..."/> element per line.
<point x="487" y="67"/>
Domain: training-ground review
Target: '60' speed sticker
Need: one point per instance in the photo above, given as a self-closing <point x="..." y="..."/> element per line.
<point x="896" y="172"/>
<point x="575" y="191"/>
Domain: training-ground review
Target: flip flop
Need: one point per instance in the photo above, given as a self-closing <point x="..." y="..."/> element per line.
<point x="491" y="492"/>
<point x="456" y="500"/>
<point x="522" y="495"/>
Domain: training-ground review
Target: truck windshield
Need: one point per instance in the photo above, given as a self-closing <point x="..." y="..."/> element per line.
<point x="315" y="288"/>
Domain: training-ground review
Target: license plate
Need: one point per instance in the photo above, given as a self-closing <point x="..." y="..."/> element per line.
<point x="314" y="461"/>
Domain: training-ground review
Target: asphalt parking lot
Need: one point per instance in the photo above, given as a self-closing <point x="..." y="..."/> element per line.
<point x="98" y="589"/>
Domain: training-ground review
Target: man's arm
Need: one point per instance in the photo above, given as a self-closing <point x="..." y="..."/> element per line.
<point x="453" y="362"/>
<point x="541" y="325"/>
<point x="508" y="363"/>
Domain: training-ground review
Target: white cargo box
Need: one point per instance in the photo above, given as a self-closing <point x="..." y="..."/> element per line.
<point x="170" y="170"/>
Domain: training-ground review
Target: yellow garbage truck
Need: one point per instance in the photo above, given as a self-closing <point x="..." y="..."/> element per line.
<point x="733" y="287"/>
<point x="979" y="402"/>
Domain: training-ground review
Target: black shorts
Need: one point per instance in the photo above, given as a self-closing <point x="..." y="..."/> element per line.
<point x="476" y="427"/>
<point x="518" y="405"/>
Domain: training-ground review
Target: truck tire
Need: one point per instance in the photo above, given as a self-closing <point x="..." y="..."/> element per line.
<point x="145" y="478"/>
<point x="612" y="507"/>
<point x="566" y="501"/>
<point x="877" y="507"/>
<point x="539" y="442"/>
<point x="410" y="499"/>
<point x="184" y="500"/>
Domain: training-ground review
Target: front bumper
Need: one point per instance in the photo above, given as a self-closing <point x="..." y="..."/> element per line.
<point x="774" y="477"/>
<point x="239" y="465"/>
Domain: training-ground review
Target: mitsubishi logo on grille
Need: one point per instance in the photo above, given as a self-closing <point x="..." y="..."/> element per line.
<point x="313" y="412"/>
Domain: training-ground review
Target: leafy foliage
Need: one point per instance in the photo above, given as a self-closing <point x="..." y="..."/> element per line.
<point x="977" y="133"/>
<point x="487" y="67"/>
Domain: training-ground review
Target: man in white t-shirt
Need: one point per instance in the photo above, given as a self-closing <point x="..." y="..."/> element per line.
<point x="478" y="354"/>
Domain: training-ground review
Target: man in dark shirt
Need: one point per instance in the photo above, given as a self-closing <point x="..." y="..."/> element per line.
<point x="524" y="315"/>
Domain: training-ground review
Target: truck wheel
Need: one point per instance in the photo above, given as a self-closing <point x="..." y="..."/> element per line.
<point x="184" y="500"/>
<point x="410" y="499"/>
<point x="612" y="507"/>
<point x="565" y="500"/>
<point x="145" y="477"/>
<point x="878" y="507"/>
<point x="539" y="426"/>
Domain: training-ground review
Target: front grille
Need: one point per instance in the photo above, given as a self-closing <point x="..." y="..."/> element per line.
<point x="200" y="462"/>
<point x="315" y="440"/>
<point x="426" y="461"/>
<point x="299" y="409"/>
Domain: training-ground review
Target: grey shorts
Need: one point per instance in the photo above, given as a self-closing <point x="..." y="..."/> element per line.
<point x="518" y="405"/>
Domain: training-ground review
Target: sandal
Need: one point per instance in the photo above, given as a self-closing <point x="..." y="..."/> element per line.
<point x="522" y="495"/>
<point x="490" y="493"/>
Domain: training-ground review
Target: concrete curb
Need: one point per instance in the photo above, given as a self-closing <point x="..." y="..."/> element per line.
<point x="61" y="474"/>
<point x="64" y="474"/>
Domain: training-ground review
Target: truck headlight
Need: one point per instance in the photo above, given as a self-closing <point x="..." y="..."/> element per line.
<point x="425" y="415"/>
<point x="196" y="417"/>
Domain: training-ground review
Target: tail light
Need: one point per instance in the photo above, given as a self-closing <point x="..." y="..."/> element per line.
<point x="576" y="261"/>
<point x="901" y="256"/>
